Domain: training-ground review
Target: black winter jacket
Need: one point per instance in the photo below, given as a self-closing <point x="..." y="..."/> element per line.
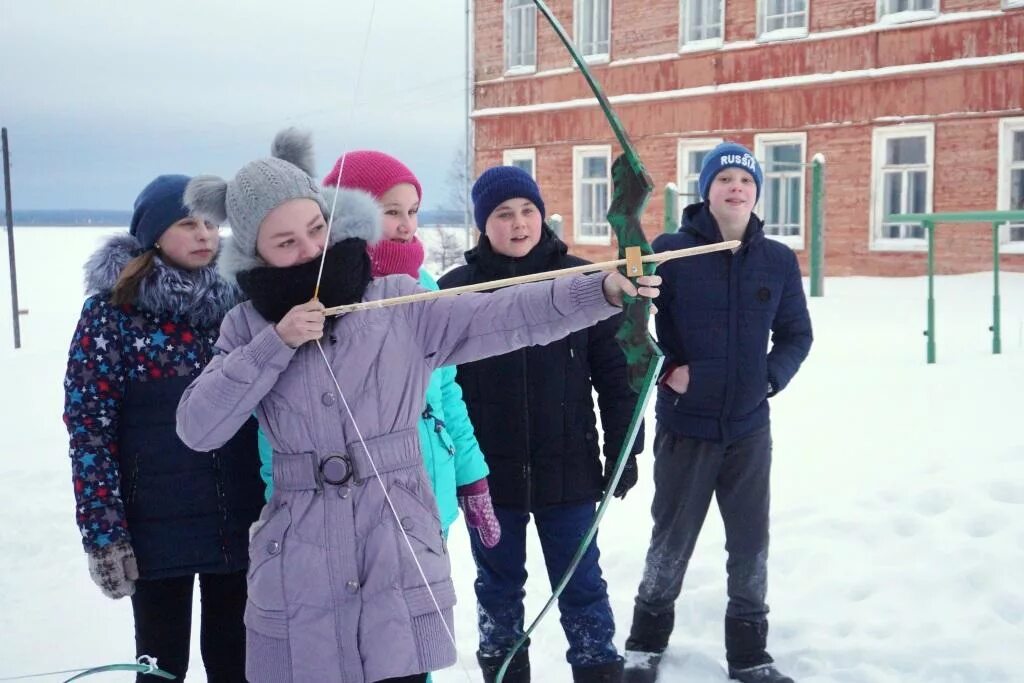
<point x="532" y="409"/>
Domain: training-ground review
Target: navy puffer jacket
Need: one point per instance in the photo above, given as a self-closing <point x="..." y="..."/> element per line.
<point x="717" y="313"/>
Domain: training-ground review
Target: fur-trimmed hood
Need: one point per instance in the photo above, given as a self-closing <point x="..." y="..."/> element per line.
<point x="201" y="296"/>
<point x="356" y="214"/>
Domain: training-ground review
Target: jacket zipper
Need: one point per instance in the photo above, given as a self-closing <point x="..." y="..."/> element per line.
<point x="526" y="431"/>
<point x="218" y="477"/>
<point x="527" y="470"/>
<point x="130" y="493"/>
<point x="730" y="358"/>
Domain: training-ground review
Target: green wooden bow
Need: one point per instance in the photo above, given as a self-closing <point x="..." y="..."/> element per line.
<point x="631" y="188"/>
<point x="144" y="668"/>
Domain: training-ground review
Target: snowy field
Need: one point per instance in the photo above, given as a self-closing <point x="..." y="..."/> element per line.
<point x="898" y="500"/>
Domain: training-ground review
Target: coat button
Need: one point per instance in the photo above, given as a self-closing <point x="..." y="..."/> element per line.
<point x="327" y="399"/>
<point x="273" y="548"/>
<point x="352" y="586"/>
<point x="343" y="492"/>
<point x="407" y="523"/>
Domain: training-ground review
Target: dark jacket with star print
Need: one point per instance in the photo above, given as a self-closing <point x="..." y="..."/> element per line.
<point x="717" y="314"/>
<point x="183" y="512"/>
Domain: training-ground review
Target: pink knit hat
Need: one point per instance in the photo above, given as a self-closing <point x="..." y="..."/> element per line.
<point x="373" y="172"/>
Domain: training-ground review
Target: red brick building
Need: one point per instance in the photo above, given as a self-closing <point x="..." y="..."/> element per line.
<point x="916" y="105"/>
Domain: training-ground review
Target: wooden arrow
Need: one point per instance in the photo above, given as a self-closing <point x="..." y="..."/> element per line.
<point x="630" y="264"/>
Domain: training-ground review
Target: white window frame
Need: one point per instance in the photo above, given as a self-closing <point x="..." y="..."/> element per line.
<point x="578" y="154"/>
<point x="523" y="154"/>
<point x="683" y="178"/>
<point x="702" y="44"/>
<point x="787" y="33"/>
<point x="1007" y="127"/>
<point x="518" y="69"/>
<point x="761" y="143"/>
<point x="879" y="137"/>
<point x="883" y="17"/>
<point x="594" y="57"/>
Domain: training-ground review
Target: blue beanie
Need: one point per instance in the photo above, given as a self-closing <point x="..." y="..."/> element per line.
<point x="157" y="208"/>
<point x="728" y="155"/>
<point x="500" y="184"/>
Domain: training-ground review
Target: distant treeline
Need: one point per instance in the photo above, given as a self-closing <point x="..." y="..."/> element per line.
<point x="88" y="218"/>
<point x="68" y="217"/>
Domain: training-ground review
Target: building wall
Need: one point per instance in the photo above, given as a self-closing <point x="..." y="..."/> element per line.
<point x="880" y="82"/>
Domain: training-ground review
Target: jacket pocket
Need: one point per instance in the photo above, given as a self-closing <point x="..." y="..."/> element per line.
<point x="419" y="517"/>
<point x="705" y="392"/>
<point x="420" y="602"/>
<point x="268" y="623"/>
<point x="752" y="387"/>
<point x="419" y="521"/>
<point x="266" y="567"/>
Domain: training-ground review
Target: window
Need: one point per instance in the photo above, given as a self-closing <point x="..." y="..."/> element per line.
<point x="593" y="28"/>
<point x="701" y="24"/>
<point x="1013" y="3"/>
<point x="783" y="19"/>
<point x="591" y="181"/>
<point x="1011" y="177"/>
<point x="520" y="36"/>
<point x="902" y="161"/>
<point x="690" y="156"/>
<point x="782" y="193"/>
<point x="896" y="11"/>
<point x="525" y="159"/>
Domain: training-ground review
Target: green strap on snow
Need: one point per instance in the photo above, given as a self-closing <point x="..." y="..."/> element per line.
<point x="145" y="665"/>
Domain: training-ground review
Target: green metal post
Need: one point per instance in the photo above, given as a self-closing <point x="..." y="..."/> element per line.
<point x="930" y="227"/>
<point x="671" y="208"/>
<point x="817" y="264"/>
<point x="997" y="342"/>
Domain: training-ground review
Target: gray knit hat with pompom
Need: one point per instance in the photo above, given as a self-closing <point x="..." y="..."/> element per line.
<point x="256" y="190"/>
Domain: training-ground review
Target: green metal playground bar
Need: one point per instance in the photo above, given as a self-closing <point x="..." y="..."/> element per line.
<point x="998" y="219"/>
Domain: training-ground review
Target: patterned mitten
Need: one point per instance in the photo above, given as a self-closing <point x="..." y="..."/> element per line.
<point x="475" y="501"/>
<point x="114" y="569"/>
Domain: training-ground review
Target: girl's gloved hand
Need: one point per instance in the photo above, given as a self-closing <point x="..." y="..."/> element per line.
<point x="475" y="501"/>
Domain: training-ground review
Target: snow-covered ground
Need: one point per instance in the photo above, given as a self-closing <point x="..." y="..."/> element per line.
<point x="898" y="500"/>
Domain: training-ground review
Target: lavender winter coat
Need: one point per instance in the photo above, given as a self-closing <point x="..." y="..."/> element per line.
<point x="333" y="593"/>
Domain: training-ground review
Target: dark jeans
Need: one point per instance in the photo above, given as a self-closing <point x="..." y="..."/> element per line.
<point x="163" y="625"/>
<point x="686" y="474"/>
<point x="416" y="678"/>
<point x="586" y="614"/>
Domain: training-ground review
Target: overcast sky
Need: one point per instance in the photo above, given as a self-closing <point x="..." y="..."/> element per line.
<point x="101" y="96"/>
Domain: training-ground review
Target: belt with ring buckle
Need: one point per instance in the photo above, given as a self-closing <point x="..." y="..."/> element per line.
<point x="335" y="470"/>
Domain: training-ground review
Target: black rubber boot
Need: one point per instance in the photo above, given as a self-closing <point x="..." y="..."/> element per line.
<point x="766" y="673"/>
<point x="648" y="638"/>
<point x="746" y="649"/>
<point x="518" y="671"/>
<point x="641" y="667"/>
<point x="650" y="631"/>
<point x="610" y="672"/>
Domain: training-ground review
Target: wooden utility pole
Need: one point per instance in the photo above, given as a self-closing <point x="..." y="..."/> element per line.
<point x="15" y="311"/>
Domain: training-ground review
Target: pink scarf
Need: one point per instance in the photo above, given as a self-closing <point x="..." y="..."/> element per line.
<point x="396" y="258"/>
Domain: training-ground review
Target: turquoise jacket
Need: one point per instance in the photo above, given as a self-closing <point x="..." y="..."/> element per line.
<point x="451" y="454"/>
